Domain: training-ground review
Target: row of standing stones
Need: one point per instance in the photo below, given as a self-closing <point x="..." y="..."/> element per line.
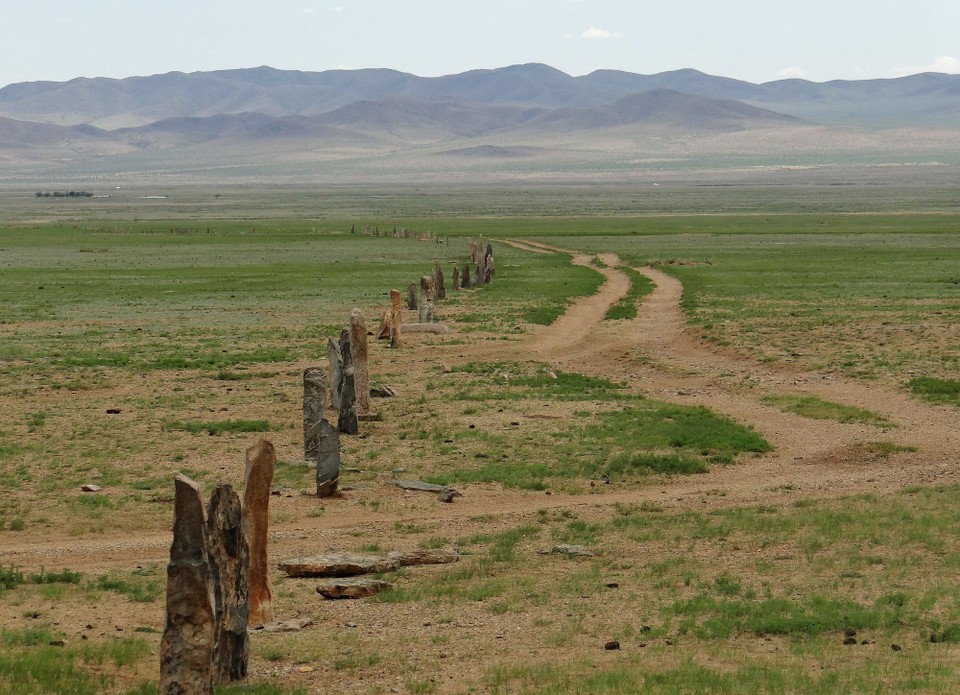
<point x="217" y="579"/>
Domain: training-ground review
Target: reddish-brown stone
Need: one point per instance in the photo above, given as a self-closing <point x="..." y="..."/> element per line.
<point x="261" y="460"/>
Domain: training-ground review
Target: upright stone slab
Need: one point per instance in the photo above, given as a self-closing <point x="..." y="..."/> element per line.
<point x="412" y="296"/>
<point x="328" y="460"/>
<point x="396" y="316"/>
<point x="187" y="644"/>
<point x="358" y="355"/>
<point x="261" y="460"/>
<point x="439" y="289"/>
<point x="229" y="556"/>
<point x="456" y="277"/>
<point x="314" y="409"/>
<point x="426" y="299"/>
<point x="347" y="422"/>
<point x="488" y="269"/>
<point x="465" y="276"/>
<point x="336" y="371"/>
<point x="386" y="320"/>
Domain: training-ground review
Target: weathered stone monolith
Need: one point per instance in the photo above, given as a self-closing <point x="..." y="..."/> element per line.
<point x="396" y="318"/>
<point x="261" y="459"/>
<point x="488" y="269"/>
<point x="347" y="422"/>
<point x="472" y="251"/>
<point x="465" y="276"/>
<point x="439" y="290"/>
<point x="314" y="409"/>
<point x="358" y="355"/>
<point x="426" y="299"/>
<point x="335" y="358"/>
<point x="412" y="296"/>
<point x="187" y="644"/>
<point x="328" y="460"/>
<point x="229" y="556"/>
<point x="456" y="277"/>
<point x="386" y="320"/>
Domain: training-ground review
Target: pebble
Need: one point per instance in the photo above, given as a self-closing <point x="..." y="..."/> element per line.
<point x="612" y="645"/>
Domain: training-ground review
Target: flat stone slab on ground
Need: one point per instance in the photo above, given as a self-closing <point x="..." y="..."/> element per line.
<point x="292" y="625"/>
<point x="338" y="565"/>
<point x="440" y="328"/>
<point x="352" y="588"/>
<point x="420" y="486"/>
<point x="412" y="558"/>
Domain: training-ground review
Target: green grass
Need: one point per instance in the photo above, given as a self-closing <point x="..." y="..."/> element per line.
<point x="819" y="409"/>
<point x="626" y="308"/>
<point x="216" y="427"/>
<point x="936" y="390"/>
<point x="33" y="664"/>
<point x="137" y="589"/>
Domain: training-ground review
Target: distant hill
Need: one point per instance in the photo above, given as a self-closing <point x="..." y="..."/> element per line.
<point x="257" y="117"/>
<point x="928" y="99"/>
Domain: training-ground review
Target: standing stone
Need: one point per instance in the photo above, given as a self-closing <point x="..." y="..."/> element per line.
<point x="229" y="557"/>
<point x="358" y="355"/>
<point x="335" y="358"/>
<point x="426" y="299"/>
<point x="347" y="422"/>
<point x="314" y="408"/>
<point x="386" y="320"/>
<point x="472" y="252"/>
<point x="465" y="275"/>
<point x="187" y="644"/>
<point x="328" y="460"/>
<point x="488" y="269"/>
<point x="396" y="318"/>
<point x="456" y="277"/>
<point x="439" y="290"/>
<point x="412" y="296"/>
<point x="261" y="459"/>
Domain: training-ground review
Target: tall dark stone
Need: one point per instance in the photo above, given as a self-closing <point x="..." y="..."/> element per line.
<point x="335" y="358"/>
<point x="328" y="460"/>
<point x="314" y="409"/>
<point x="186" y="648"/>
<point x="229" y="557"/>
<point x="347" y="422"/>
<point x="412" y="296"/>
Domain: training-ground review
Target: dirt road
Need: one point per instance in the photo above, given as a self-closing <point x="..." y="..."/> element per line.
<point x="658" y="355"/>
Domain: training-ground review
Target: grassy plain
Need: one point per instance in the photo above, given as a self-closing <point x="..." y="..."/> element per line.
<point x="134" y="348"/>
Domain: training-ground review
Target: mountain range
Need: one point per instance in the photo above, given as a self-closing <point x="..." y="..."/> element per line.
<point x="263" y="115"/>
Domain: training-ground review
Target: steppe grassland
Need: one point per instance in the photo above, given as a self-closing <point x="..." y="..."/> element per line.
<point x="756" y="597"/>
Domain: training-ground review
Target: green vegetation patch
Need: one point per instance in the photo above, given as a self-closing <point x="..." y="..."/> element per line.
<point x="217" y="427"/>
<point x="639" y="438"/>
<point x="936" y="390"/>
<point x="626" y="308"/>
<point x="37" y="661"/>
<point x="819" y="409"/>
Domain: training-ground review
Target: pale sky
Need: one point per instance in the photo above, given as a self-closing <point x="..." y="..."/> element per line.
<point x="753" y="40"/>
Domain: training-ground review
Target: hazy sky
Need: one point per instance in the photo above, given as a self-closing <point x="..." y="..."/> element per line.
<point x="754" y="40"/>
